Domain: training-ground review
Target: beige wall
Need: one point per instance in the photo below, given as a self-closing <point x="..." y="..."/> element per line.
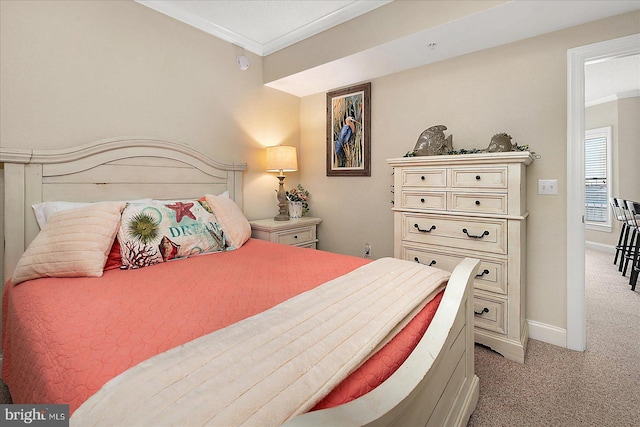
<point x="629" y="141"/>
<point x="78" y="71"/>
<point x="519" y="89"/>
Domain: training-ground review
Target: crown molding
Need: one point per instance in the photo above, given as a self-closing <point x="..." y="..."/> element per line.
<point x="172" y="10"/>
<point x="615" y="97"/>
<point x="337" y="17"/>
<point x="350" y="11"/>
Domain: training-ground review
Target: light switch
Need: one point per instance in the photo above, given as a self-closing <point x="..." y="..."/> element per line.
<point x="547" y="186"/>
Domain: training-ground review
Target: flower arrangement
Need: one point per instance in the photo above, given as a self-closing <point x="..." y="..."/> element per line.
<point x="299" y="194"/>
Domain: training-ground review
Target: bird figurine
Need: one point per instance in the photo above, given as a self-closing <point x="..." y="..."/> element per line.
<point x="432" y="142"/>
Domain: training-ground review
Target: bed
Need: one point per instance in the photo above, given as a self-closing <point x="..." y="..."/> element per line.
<point x="431" y="383"/>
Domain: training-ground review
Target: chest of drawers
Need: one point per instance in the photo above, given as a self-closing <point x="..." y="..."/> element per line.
<point x="447" y="208"/>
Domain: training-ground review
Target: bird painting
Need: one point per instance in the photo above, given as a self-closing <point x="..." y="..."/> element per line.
<point x="348" y="129"/>
<point x="343" y="141"/>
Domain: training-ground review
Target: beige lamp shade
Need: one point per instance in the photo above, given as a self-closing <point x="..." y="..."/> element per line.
<point x="282" y="158"/>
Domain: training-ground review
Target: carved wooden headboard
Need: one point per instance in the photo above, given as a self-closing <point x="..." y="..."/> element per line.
<point x="113" y="169"/>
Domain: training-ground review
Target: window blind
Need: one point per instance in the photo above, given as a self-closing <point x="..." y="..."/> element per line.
<point x="595" y="172"/>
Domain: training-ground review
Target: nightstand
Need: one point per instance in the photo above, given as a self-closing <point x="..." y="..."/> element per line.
<point x="295" y="232"/>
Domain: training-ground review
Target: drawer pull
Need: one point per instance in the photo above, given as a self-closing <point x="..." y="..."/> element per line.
<point x="478" y="177"/>
<point x="422" y="178"/>
<point x="421" y="200"/>
<point x="295" y="237"/>
<point x="480" y="313"/>
<point x="477" y="202"/>
<point x="416" y="259"/>
<point x="464" y="230"/>
<point x="433" y="227"/>
<point x="483" y="273"/>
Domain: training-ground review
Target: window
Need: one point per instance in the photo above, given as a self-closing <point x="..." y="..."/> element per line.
<point x="597" y="178"/>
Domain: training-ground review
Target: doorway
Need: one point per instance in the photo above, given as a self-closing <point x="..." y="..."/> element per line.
<point x="576" y="60"/>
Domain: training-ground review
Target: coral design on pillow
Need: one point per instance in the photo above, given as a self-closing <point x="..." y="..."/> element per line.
<point x="156" y="232"/>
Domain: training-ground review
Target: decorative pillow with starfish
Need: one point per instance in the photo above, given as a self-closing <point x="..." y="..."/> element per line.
<point x="156" y="232"/>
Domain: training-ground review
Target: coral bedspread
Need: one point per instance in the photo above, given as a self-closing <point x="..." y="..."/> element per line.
<point x="65" y="338"/>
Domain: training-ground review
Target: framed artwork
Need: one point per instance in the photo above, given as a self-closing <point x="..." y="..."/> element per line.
<point x="349" y="131"/>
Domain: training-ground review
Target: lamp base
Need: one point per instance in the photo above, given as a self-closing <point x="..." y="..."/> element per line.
<point x="282" y="202"/>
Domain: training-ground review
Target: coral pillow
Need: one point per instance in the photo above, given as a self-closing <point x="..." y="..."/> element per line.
<point x="233" y="222"/>
<point x="73" y="243"/>
<point x="114" y="259"/>
<point x="156" y="232"/>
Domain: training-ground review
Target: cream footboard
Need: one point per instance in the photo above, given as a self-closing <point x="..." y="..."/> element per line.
<point x="435" y="386"/>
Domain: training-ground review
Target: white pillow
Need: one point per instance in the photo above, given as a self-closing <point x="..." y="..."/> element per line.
<point x="44" y="210"/>
<point x="73" y="243"/>
<point x="224" y="194"/>
<point x="237" y="229"/>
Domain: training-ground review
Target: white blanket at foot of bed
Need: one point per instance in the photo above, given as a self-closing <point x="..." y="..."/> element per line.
<point x="273" y="366"/>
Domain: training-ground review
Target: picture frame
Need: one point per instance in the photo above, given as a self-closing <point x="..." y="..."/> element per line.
<point x="349" y="131"/>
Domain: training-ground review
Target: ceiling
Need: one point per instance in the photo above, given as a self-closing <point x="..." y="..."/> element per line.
<point x="266" y="26"/>
<point x="263" y="26"/>
<point x="612" y="79"/>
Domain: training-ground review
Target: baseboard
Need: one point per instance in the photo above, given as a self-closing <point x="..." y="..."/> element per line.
<point x="600" y="247"/>
<point x="547" y="333"/>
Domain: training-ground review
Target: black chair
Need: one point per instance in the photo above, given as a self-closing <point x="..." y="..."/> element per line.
<point x="634" y="254"/>
<point x="629" y="236"/>
<point x="619" y="215"/>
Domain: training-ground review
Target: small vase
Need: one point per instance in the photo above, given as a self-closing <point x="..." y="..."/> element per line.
<point x="295" y="210"/>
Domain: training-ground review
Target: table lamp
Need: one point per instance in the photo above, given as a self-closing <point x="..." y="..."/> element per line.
<point x="281" y="159"/>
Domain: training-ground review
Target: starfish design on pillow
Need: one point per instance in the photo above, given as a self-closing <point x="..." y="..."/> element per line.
<point x="182" y="210"/>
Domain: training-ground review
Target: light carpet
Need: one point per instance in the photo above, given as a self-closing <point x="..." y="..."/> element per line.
<point x="560" y="387"/>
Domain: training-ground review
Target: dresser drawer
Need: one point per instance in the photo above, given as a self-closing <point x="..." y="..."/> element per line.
<point x="297" y="237"/>
<point x="311" y="245"/>
<point x="424" y="200"/>
<point x="479" y="177"/>
<point x="490" y="314"/>
<point x="492" y="274"/>
<point x="488" y="235"/>
<point x="424" y="177"/>
<point x="479" y="203"/>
